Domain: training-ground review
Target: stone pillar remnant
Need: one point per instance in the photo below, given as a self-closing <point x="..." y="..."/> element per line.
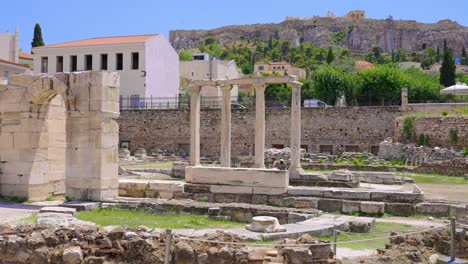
<point x="260" y="127"/>
<point x="195" y="126"/>
<point x="226" y="126"/>
<point x="295" y="166"/>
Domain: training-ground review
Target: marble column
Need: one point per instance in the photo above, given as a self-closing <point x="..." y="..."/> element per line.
<point x="195" y="126"/>
<point x="260" y="127"/>
<point x="295" y="169"/>
<point x="226" y="126"/>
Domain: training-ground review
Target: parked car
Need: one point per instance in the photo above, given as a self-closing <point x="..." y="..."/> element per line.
<point x="237" y="106"/>
<point x="308" y="103"/>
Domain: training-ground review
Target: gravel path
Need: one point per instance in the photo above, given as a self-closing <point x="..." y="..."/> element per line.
<point x="11" y="212"/>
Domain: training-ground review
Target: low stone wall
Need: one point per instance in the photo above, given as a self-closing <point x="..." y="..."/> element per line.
<point x="454" y="167"/>
<point x="376" y="168"/>
<point x="438" y="130"/>
<point x="333" y="129"/>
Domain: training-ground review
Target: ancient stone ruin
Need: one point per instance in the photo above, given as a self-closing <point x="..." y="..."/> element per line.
<point x="58" y="136"/>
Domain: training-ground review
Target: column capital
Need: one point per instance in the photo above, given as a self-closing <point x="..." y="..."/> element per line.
<point x="226" y="87"/>
<point x="261" y="86"/>
<point x="296" y="85"/>
<point x="195" y="88"/>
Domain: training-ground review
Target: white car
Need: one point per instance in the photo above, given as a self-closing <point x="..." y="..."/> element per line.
<point x="308" y="103"/>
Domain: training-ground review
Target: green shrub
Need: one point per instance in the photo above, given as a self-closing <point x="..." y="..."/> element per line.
<point x="463" y="111"/>
<point x="453" y="135"/>
<point x="444" y="112"/>
<point x="465" y="151"/>
<point x="423" y="140"/>
<point x="338" y="36"/>
<point x="408" y="127"/>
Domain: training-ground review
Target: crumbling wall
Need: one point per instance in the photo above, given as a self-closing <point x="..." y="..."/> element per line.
<point x="438" y="130"/>
<point x="58" y="136"/>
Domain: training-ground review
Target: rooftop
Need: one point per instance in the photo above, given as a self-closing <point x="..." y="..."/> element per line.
<point x="101" y="41"/>
<point x="25" y="55"/>
<point x="13" y="63"/>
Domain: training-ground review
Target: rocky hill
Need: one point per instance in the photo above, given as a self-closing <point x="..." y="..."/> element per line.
<point x="359" y="36"/>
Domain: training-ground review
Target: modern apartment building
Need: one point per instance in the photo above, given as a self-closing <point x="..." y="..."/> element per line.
<point x="148" y="65"/>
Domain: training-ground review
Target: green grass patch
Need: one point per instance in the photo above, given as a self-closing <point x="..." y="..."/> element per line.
<point x="373" y="244"/>
<point x="137" y="217"/>
<point x="434" y="178"/>
<point x="29" y="219"/>
<point x="150" y="165"/>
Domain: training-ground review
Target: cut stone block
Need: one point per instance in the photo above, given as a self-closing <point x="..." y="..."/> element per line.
<point x="301" y="202"/>
<point x="400" y="209"/>
<point x="372" y="207"/>
<point x="57" y="209"/>
<point x="330" y="205"/>
<point x="459" y="211"/>
<point x="238" y="176"/>
<point x="265" y="224"/>
<point x="341" y="175"/>
<point x="435" y="209"/>
<point x="351" y="206"/>
<point x="81" y="206"/>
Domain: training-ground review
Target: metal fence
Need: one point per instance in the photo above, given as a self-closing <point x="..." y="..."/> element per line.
<point x="139" y="103"/>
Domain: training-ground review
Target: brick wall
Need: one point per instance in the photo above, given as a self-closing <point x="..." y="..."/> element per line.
<point x="438" y="129"/>
<point x="342" y="128"/>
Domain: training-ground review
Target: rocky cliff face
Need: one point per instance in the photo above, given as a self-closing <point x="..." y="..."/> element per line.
<point x="358" y="36"/>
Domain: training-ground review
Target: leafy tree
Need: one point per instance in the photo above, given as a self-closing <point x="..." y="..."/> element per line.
<point x="285" y="49"/>
<point x="380" y="85"/>
<point x="185" y="55"/>
<point x="209" y="41"/>
<point x="37" y="39"/>
<point x="438" y="55"/>
<point x="278" y="92"/>
<point x="464" y="57"/>
<point x="247" y="68"/>
<point x="330" y="56"/>
<point x="330" y="83"/>
<point x="447" y="71"/>
<point x="421" y="87"/>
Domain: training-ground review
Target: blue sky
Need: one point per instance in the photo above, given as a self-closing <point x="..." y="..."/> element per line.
<point x="70" y="20"/>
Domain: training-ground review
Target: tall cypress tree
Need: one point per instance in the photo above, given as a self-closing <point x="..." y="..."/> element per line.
<point x="37" y="39"/>
<point x="464" y="57"/>
<point x="438" y="55"/>
<point x="447" y="71"/>
<point x="330" y="56"/>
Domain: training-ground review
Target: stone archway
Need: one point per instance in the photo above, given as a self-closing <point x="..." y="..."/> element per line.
<point x="58" y="136"/>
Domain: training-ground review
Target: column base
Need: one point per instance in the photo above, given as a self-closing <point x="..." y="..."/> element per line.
<point x="295" y="173"/>
<point x="259" y="166"/>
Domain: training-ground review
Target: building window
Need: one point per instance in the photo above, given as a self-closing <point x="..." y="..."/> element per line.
<point x="326" y="149"/>
<point x="73" y="63"/>
<point x="88" y="62"/>
<point x="261" y="68"/>
<point x="6" y="74"/>
<point x="59" y="64"/>
<point x="44" y="64"/>
<point x="119" y="61"/>
<point x="277" y="146"/>
<point x="104" y="62"/>
<point x="135" y="60"/>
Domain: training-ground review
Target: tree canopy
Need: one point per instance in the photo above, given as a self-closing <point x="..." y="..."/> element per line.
<point x="37" y="38"/>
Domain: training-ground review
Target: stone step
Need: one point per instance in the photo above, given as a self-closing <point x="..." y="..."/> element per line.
<point x="58" y="210"/>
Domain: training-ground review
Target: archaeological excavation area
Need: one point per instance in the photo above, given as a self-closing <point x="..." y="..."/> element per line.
<point x="256" y="185"/>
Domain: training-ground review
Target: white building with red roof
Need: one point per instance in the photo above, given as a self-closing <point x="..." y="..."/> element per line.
<point x="148" y="65"/>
